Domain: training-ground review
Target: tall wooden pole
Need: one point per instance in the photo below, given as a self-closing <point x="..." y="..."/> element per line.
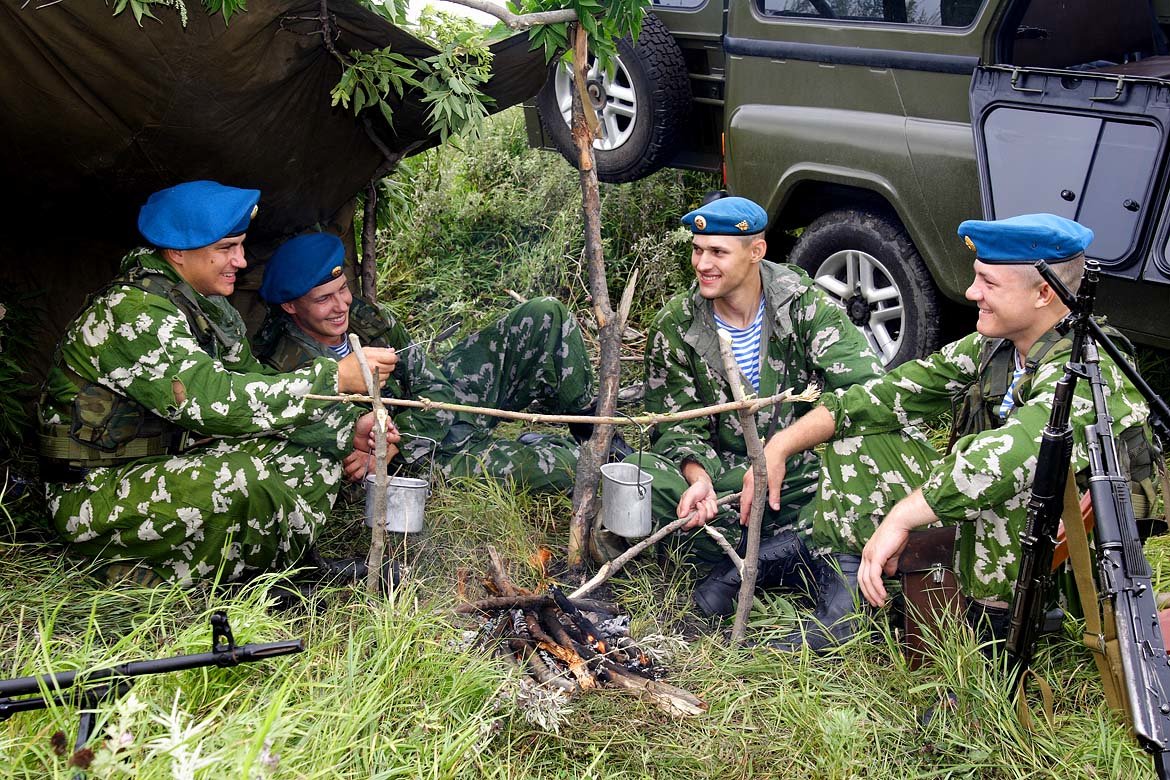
<point x="609" y="329"/>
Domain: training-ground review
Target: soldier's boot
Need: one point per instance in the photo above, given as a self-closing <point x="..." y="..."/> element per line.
<point x="784" y="562"/>
<point x="347" y="571"/>
<point x="619" y="448"/>
<point x="835" y="618"/>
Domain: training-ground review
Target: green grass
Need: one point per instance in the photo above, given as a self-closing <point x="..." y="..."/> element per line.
<point x="389" y="688"/>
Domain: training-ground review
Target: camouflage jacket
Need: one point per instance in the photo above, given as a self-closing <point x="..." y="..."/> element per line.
<point x="285" y="347"/>
<point x="986" y="478"/>
<point x="199" y="376"/>
<point x="805" y="339"/>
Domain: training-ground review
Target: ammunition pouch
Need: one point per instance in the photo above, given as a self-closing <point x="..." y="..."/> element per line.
<point x="930" y="591"/>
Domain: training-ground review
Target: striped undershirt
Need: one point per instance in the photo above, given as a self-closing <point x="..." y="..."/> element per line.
<point x="342" y="349"/>
<point x="745" y="345"/>
<point x="1009" y="402"/>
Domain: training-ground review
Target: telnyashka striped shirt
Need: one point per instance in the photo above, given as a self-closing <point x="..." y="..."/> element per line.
<point x="1009" y="402"/>
<point x="745" y="345"/>
<point x="342" y="349"/>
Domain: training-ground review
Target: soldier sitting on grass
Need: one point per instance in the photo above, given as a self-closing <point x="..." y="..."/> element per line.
<point x="533" y="356"/>
<point x="785" y="334"/>
<point x="1000" y="382"/>
<point x="167" y="449"/>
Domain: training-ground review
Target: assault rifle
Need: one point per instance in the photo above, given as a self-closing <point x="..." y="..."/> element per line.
<point x="1123" y="574"/>
<point x="87" y="689"/>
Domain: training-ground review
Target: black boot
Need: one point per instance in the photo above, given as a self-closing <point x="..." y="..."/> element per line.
<point x="783" y="561"/>
<point x="334" y="571"/>
<point x="835" y="618"/>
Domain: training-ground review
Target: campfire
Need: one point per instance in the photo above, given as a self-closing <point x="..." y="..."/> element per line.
<point x="570" y="645"/>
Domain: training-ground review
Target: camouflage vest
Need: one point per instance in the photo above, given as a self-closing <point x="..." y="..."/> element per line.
<point x="976" y="409"/>
<point x="106" y="427"/>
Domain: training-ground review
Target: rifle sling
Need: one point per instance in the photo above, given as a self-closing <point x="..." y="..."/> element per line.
<point x="1100" y="635"/>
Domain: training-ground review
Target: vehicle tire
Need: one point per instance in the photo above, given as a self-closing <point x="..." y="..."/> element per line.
<point x="866" y="263"/>
<point x="642" y="108"/>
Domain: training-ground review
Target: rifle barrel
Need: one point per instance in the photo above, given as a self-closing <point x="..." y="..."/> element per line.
<point x="53" y="681"/>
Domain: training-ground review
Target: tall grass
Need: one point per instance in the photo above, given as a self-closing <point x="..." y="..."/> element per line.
<point x="391" y="688"/>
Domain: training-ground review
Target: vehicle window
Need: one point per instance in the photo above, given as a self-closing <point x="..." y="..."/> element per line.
<point x="689" y="4"/>
<point x="1082" y="33"/>
<point x="935" y="13"/>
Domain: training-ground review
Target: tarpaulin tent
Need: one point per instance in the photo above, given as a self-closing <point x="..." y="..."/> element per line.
<point x="97" y="112"/>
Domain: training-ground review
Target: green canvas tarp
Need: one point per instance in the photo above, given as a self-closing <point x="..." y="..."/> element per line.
<point x="96" y="113"/>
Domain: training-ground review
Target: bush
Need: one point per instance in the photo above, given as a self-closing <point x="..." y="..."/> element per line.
<point x="469" y="224"/>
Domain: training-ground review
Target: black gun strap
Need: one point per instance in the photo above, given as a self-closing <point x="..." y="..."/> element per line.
<point x="1100" y="633"/>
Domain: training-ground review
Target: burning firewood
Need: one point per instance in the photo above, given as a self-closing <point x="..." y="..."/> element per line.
<point x="571" y="644"/>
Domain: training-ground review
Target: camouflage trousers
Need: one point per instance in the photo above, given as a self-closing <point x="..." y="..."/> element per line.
<point x="532" y="357"/>
<point x="245" y="505"/>
<point x="836" y="508"/>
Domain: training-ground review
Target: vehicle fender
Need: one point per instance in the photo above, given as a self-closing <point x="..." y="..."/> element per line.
<point x="789" y="149"/>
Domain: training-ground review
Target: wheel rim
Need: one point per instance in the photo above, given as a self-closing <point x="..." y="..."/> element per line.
<point x="857" y="282"/>
<point x="614" y="99"/>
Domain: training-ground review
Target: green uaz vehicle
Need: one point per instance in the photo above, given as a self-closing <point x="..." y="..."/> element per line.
<point x="871" y="125"/>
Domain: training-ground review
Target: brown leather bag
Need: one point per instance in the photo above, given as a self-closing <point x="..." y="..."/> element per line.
<point x="929" y="588"/>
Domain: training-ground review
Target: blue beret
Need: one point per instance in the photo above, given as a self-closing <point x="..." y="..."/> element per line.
<point x="300" y="264"/>
<point x="1025" y="239"/>
<point x="727" y="217"/>
<point x="196" y="214"/>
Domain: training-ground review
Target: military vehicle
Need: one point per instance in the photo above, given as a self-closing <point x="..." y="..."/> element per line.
<point x="869" y="129"/>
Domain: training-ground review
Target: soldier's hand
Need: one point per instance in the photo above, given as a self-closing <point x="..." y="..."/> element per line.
<point x="365" y="435"/>
<point x="356" y="465"/>
<point x="775" y="464"/>
<point x="699" y="498"/>
<point x="879" y="557"/>
<point x="349" y="371"/>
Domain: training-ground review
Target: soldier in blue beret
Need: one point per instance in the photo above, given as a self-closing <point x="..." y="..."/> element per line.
<point x="785" y="333"/>
<point x="999" y="382"/>
<point x="534" y="355"/>
<point x="170" y="452"/>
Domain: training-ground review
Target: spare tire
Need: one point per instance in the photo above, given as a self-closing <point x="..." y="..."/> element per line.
<point x="642" y="107"/>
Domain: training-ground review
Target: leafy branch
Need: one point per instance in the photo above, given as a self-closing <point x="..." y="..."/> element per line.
<point x="369" y="77"/>
<point x="142" y="8"/>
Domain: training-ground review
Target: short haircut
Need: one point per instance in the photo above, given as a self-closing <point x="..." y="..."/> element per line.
<point x="1069" y="272"/>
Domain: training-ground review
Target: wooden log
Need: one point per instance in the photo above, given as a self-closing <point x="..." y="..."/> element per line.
<point x="668" y="698"/>
<point x="493" y="603"/>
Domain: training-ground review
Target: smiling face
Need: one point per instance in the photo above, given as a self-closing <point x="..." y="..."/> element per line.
<point x="323" y="312"/>
<point x="210" y="270"/>
<point x="727" y="266"/>
<point x="1013" y="303"/>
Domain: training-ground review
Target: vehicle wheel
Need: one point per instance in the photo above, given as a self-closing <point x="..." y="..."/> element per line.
<point x="868" y="266"/>
<point x="642" y="108"/>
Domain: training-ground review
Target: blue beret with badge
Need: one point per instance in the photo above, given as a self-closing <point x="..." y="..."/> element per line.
<point x="732" y="216"/>
<point x="300" y="264"/>
<point x="195" y="214"/>
<point x="1025" y="239"/>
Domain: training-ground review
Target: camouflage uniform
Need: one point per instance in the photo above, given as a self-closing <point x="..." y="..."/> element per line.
<point x="150" y="364"/>
<point x="806" y="339"/>
<point x="532" y="356"/>
<point x="986" y="479"/>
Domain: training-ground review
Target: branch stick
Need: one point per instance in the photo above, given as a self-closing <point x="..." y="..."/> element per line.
<point x="493" y="603"/>
<point x="381" y="423"/>
<point x="725" y="545"/>
<point x="751" y="404"/>
<point x="519" y="21"/>
<point x="755" y="449"/>
<point x="613" y="567"/>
